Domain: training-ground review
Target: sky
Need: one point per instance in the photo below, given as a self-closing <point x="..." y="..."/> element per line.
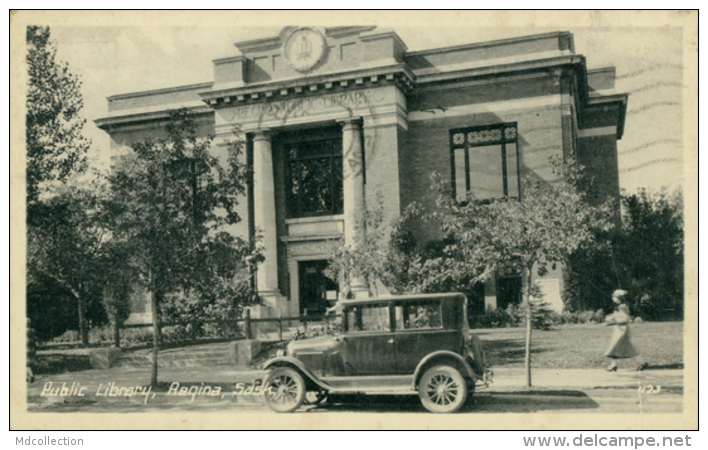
<point x="649" y="61"/>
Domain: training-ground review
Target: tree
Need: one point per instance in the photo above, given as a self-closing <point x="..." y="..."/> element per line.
<point x="643" y="256"/>
<point x="546" y="225"/>
<point x="170" y="199"/>
<point x="591" y="274"/>
<point x="367" y="258"/>
<point x="119" y="270"/>
<point x="549" y="222"/>
<point x="61" y="240"/>
<point x="650" y="252"/>
<point x="55" y="146"/>
<point x="64" y="244"/>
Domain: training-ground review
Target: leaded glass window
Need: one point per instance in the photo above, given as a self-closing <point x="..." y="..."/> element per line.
<point x="314" y="177"/>
<point x="485" y="161"/>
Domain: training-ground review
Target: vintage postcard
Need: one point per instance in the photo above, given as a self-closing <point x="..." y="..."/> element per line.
<point x="354" y="220"/>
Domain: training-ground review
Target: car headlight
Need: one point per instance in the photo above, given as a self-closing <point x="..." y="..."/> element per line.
<point x="281" y="352"/>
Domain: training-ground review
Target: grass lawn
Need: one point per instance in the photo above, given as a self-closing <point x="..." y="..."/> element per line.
<point x="660" y="344"/>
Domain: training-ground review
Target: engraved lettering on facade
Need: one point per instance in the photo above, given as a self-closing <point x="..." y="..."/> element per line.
<point x="306" y="106"/>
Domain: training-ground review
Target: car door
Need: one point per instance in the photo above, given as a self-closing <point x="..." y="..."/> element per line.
<point x="367" y="345"/>
<point x="419" y="331"/>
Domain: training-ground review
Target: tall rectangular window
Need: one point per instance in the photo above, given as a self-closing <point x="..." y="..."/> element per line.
<point x="314" y="177"/>
<point x="485" y="161"/>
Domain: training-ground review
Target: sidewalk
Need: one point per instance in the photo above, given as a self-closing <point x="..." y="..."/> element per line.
<point x="511" y="379"/>
<point x="190" y="384"/>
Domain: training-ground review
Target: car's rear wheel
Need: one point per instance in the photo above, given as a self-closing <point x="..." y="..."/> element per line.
<point x="284" y="390"/>
<point x="442" y="389"/>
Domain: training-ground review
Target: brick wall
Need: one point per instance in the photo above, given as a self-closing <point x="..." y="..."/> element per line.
<point x="382" y="151"/>
<point x="427" y="148"/>
<point x="599" y="156"/>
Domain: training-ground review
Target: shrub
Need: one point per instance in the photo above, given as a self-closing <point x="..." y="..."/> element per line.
<point x="67" y="336"/>
<point x="496" y="318"/>
<point x="99" y="335"/>
<point x="317" y="331"/>
<point x="579" y="317"/>
<point x="543" y="318"/>
<point x="135" y="337"/>
<point x="599" y="316"/>
<point x="585" y="316"/>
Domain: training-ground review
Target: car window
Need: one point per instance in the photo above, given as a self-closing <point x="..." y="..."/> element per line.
<point x="419" y="315"/>
<point x="368" y="318"/>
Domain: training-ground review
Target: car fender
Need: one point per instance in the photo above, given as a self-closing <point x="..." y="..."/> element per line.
<point x="445" y="353"/>
<point x="290" y="361"/>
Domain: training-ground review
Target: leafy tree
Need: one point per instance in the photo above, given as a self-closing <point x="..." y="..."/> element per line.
<point x="545" y="226"/>
<point x="118" y="268"/>
<point x="64" y="243"/>
<point x="51" y="307"/>
<point x="650" y="252"/>
<point x="170" y="199"/>
<point x="591" y="274"/>
<point x="369" y="256"/>
<point x="644" y="256"/>
<point x="55" y="146"/>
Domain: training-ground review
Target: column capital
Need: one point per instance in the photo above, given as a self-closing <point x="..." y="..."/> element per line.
<point x="262" y="134"/>
<point x="351" y="123"/>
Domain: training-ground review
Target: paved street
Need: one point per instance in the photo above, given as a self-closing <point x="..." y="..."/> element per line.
<point x="584" y="402"/>
<point x="555" y="390"/>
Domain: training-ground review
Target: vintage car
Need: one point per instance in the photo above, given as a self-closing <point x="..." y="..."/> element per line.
<point x="418" y="344"/>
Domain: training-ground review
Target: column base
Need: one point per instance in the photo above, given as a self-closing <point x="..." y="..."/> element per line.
<point x="274" y="303"/>
<point x="360" y="292"/>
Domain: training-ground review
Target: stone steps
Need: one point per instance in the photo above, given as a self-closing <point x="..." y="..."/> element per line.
<point x="201" y="355"/>
<point x="193" y="356"/>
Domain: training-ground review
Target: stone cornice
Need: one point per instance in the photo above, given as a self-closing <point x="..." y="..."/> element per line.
<point x="495" y="43"/>
<point x="399" y="74"/>
<point x="107" y="123"/>
<point x="619" y="99"/>
<point x="229" y="59"/>
<point x="384" y="34"/>
<point x="257" y="45"/>
<point x="161" y="91"/>
<point x="517" y="67"/>
<point x="347" y="30"/>
<point x="272" y="42"/>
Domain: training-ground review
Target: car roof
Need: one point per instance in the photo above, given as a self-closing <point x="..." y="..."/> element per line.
<point x="390" y="298"/>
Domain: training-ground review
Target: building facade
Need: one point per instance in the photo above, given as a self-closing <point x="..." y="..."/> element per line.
<point x="333" y="117"/>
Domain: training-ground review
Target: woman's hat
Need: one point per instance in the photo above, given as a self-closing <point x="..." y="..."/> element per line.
<point x="619" y="293"/>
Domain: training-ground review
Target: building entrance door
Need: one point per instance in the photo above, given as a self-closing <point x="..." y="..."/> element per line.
<point x="317" y="291"/>
<point x="508" y="292"/>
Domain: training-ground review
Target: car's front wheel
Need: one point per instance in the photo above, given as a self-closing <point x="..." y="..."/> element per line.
<point x="442" y="389"/>
<point x="284" y="390"/>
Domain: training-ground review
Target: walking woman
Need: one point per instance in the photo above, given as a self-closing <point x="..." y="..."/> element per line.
<point x="621" y="345"/>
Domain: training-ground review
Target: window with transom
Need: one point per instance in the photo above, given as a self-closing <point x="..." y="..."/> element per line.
<point x="485" y="161"/>
<point x="314" y="177"/>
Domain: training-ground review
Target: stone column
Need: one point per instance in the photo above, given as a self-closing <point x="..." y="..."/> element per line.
<point x="264" y="213"/>
<point x="353" y="189"/>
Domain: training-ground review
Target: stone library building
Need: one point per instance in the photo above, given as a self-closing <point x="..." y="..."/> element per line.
<point x="335" y="116"/>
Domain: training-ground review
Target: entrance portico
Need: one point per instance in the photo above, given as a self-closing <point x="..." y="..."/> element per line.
<point x="305" y="234"/>
<point x="292" y="118"/>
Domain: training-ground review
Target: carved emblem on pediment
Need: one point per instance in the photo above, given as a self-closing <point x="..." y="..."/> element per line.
<point x="305" y="49"/>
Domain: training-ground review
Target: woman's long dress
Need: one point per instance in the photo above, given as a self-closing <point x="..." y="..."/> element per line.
<point x="621" y="344"/>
